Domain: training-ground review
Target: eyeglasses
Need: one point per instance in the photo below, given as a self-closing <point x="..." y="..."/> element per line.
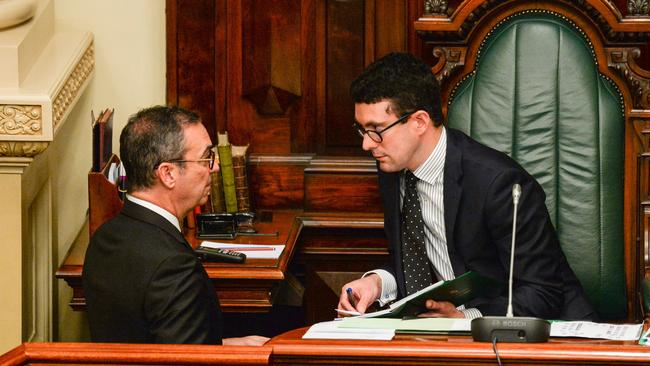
<point x="209" y="160"/>
<point x="376" y="135"/>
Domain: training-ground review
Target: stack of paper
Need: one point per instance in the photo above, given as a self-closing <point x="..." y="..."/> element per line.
<point x="331" y="330"/>
<point x="617" y="332"/>
<point x="386" y="328"/>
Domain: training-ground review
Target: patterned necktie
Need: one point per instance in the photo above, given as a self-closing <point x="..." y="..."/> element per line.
<point x="417" y="271"/>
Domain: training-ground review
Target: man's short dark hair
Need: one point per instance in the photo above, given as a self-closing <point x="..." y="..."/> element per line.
<point x="152" y="136"/>
<point x="402" y="79"/>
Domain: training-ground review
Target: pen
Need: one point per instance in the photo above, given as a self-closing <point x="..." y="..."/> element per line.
<point x="248" y="249"/>
<point x="351" y="297"/>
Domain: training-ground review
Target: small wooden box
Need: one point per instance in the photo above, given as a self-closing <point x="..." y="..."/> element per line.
<point x="103" y="197"/>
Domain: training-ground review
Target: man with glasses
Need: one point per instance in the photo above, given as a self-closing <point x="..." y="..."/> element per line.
<point x="141" y="279"/>
<point x="448" y="206"/>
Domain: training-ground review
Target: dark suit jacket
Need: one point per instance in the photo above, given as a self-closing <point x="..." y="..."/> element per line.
<point x="478" y="213"/>
<point x="143" y="283"/>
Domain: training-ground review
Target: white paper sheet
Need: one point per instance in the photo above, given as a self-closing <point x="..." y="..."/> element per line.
<point x="331" y="330"/>
<point x="617" y="332"/>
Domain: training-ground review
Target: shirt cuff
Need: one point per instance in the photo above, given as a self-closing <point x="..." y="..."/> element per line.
<point x="471" y="313"/>
<point x="388" y="286"/>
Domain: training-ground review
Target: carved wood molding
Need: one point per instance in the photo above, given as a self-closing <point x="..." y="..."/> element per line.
<point x="449" y="60"/>
<point x="435" y="7"/>
<point x="28" y="122"/>
<point x="22" y="148"/>
<point x="638" y="80"/>
<point x="73" y="85"/>
<point x="602" y="13"/>
<point x="21" y="120"/>
<point x="637" y="7"/>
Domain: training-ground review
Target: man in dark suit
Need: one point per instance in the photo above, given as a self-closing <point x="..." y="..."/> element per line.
<point x="142" y="281"/>
<point x="448" y="206"/>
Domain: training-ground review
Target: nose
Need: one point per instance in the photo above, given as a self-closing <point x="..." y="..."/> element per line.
<point x="367" y="143"/>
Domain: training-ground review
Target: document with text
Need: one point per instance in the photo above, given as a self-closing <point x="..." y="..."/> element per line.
<point x="616" y="332"/>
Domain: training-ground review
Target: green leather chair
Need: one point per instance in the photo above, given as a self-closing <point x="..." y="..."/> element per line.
<point x="536" y="94"/>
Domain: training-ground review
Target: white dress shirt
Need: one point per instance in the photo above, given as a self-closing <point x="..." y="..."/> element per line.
<point x="430" y="192"/>
<point x="157" y="209"/>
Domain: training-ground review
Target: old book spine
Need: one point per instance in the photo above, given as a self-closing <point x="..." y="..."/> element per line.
<point x="216" y="193"/>
<point x="241" y="180"/>
<point x="227" y="174"/>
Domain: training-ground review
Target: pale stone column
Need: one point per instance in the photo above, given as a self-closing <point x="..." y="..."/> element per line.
<point x="11" y="170"/>
<point x="43" y="72"/>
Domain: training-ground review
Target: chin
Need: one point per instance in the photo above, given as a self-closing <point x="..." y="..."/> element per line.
<point x="388" y="168"/>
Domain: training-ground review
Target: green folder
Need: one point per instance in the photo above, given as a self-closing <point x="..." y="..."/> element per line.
<point x="458" y="291"/>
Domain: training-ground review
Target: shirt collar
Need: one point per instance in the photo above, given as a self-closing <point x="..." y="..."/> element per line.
<point x="157" y="209"/>
<point x="432" y="169"/>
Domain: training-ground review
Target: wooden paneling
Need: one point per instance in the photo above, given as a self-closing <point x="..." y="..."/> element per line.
<point x="417" y="349"/>
<point x="344" y="60"/>
<point x="190" y="80"/>
<point x="275" y="74"/>
<point x="271" y="54"/>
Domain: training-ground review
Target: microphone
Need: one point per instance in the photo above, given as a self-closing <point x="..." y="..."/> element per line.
<point x="511" y="329"/>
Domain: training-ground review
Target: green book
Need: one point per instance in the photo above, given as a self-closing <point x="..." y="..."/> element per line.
<point x="227" y="172"/>
<point x="458" y="291"/>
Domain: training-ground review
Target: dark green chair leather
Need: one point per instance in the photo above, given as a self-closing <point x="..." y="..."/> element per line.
<point x="536" y="94"/>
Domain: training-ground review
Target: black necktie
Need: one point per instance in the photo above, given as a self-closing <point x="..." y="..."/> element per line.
<point x="417" y="271"/>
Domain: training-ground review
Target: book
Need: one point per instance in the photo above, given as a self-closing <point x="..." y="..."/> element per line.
<point x="241" y="181"/>
<point x="217" y="202"/>
<point x="458" y="291"/>
<point x="102" y="145"/>
<point x="227" y="173"/>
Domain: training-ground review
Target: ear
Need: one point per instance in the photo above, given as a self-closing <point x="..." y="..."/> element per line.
<point x="167" y="174"/>
<point x="422" y="120"/>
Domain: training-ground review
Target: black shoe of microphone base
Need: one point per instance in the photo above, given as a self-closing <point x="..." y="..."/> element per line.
<point x="510" y="329"/>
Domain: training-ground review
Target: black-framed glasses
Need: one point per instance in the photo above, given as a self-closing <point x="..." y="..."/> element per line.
<point x="376" y="135"/>
<point x="210" y="160"/>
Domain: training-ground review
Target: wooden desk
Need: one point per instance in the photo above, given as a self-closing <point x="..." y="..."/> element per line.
<point x="290" y="349"/>
<point x="250" y="287"/>
<point x="133" y="354"/>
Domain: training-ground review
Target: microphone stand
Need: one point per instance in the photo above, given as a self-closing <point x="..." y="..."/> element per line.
<point x="509" y="328"/>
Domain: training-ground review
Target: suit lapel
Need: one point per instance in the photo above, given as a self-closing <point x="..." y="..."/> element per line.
<point x="390" y="186"/>
<point x="141" y="213"/>
<point x="452" y="192"/>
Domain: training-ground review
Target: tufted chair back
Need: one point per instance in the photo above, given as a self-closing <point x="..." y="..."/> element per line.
<point x="536" y="94"/>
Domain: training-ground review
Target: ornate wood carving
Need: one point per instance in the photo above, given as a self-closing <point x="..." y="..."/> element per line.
<point x="449" y="59"/>
<point x="435" y="7"/>
<point x="21" y="120"/>
<point x="592" y="8"/>
<point x="637" y="79"/>
<point x="72" y="85"/>
<point x="637" y="7"/>
<point x="22" y="148"/>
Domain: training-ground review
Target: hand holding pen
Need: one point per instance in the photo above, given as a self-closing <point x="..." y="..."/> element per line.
<point x="357" y="295"/>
